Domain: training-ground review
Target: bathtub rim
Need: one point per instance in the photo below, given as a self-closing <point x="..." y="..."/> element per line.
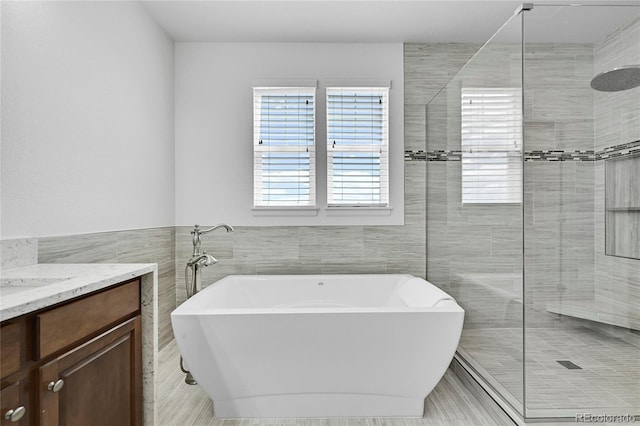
<point x="314" y="311"/>
<point x="445" y="305"/>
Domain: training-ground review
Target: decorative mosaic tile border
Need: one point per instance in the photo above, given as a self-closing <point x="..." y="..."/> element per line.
<point x="619" y="150"/>
<point x="410" y="155"/>
<point x="432" y="155"/>
<point x="622" y="150"/>
<point x="560" y="156"/>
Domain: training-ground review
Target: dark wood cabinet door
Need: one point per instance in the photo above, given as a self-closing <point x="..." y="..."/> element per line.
<point x="15" y="403"/>
<point x="102" y="381"/>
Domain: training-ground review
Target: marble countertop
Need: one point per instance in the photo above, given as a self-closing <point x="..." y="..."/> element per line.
<point x="29" y="288"/>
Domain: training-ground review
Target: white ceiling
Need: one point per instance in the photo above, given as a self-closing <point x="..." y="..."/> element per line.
<point x="369" y="21"/>
<point x="331" y="21"/>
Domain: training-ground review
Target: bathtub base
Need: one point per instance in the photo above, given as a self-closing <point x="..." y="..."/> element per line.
<point x="319" y="405"/>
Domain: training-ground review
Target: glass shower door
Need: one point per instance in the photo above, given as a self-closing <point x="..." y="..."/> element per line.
<point x="474" y="207"/>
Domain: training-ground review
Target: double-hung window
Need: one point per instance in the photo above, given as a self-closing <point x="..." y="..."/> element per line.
<point x="284" y="146"/>
<point x="491" y="145"/>
<point x="358" y="146"/>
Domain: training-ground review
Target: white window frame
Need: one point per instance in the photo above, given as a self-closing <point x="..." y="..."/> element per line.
<point x="381" y="150"/>
<point x="491" y="145"/>
<point x="260" y="201"/>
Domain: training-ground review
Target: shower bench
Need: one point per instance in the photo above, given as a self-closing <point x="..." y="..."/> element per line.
<point x="593" y="310"/>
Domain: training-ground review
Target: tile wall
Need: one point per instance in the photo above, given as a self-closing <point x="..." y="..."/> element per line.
<point x="315" y="249"/>
<point x="559" y="195"/>
<point x="617" y="122"/>
<point x="473" y="252"/>
<point x="570" y="131"/>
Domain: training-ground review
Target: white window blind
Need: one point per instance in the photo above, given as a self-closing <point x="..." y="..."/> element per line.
<point x="358" y="146"/>
<point x="284" y="146"/>
<point x="491" y="145"/>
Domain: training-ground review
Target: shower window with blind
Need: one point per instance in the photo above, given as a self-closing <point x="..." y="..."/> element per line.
<point x="284" y="147"/>
<point x="491" y="145"/>
<point x="357" y="147"/>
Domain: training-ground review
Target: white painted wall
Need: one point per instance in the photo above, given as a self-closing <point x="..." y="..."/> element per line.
<point x="214" y="119"/>
<point x="87" y="119"/>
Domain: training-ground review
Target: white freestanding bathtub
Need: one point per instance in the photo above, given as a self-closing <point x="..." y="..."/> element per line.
<point x="318" y="345"/>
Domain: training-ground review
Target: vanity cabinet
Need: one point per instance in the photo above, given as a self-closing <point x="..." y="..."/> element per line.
<point x="79" y="363"/>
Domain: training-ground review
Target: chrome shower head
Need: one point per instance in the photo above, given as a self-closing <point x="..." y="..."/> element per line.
<point x="617" y="79"/>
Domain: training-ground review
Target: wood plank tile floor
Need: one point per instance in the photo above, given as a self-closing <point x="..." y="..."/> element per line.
<point x="450" y="404"/>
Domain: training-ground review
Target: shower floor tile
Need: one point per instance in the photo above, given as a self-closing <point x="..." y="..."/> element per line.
<point x="608" y="381"/>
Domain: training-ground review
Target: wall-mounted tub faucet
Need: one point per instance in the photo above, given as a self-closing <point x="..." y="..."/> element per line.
<point x="198" y="260"/>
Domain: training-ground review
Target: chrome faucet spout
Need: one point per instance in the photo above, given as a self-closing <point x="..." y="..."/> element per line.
<point x="196" y="232"/>
<point x="229" y="228"/>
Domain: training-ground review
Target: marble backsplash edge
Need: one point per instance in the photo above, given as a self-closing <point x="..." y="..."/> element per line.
<point x="18" y="252"/>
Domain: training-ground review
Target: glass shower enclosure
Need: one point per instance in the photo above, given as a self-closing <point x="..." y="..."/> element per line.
<point x="533" y="210"/>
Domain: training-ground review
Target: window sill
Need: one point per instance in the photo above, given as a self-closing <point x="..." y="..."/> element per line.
<point x="510" y="203"/>
<point x="358" y="211"/>
<point x="285" y="211"/>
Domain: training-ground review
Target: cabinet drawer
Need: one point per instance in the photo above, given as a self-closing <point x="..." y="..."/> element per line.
<point x="64" y="325"/>
<point x="11" y="348"/>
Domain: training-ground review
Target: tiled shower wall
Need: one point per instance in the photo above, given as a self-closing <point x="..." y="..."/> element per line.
<point x="469" y="248"/>
<point x="475" y="251"/>
<point x="569" y="131"/>
<point x="559" y="195"/>
<point x="352" y="249"/>
<point x="617" y="121"/>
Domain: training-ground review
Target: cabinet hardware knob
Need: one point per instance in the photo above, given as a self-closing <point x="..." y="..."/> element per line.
<point x="55" y="386"/>
<point x="15" y="415"/>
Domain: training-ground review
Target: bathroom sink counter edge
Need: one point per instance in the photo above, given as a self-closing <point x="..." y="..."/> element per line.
<point x="61" y="282"/>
